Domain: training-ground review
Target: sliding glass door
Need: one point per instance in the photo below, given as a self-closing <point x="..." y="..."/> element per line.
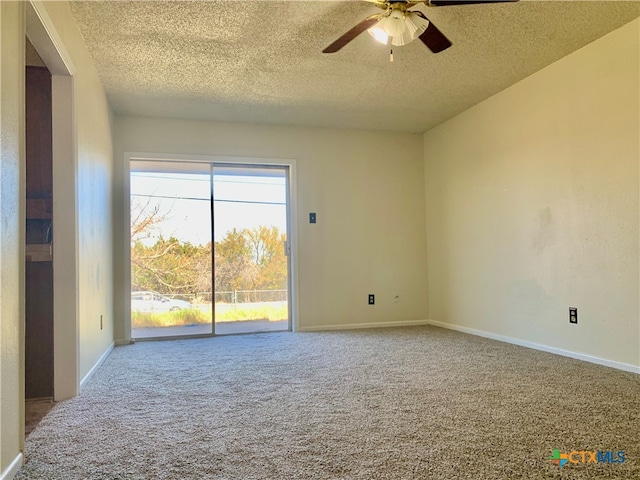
<point x="250" y="249"/>
<point x="171" y="249"/>
<point x="209" y="249"/>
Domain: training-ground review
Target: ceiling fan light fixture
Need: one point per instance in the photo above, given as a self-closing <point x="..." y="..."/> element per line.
<point x="416" y="24"/>
<point x="399" y="28"/>
<point x="394" y="23"/>
<point x="379" y="34"/>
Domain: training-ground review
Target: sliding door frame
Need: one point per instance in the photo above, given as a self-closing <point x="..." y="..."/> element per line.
<point x="213" y="160"/>
<point x="289" y="249"/>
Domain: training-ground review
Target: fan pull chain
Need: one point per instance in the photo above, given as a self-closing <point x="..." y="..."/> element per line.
<point x="391" y="56"/>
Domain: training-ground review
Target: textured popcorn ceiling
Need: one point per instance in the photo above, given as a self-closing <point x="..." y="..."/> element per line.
<point x="261" y="61"/>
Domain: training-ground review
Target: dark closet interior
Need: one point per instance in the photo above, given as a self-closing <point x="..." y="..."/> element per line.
<point x="39" y="236"/>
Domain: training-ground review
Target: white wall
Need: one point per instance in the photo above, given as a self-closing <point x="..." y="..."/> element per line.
<point x="532" y="206"/>
<point x="11" y="232"/>
<point x="94" y="172"/>
<point x="366" y="187"/>
<point x="94" y="196"/>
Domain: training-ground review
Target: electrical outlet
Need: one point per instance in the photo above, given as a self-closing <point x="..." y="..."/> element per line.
<point x="372" y="299"/>
<point x="100" y="322"/>
<point x="396" y="298"/>
<point x="573" y="315"/>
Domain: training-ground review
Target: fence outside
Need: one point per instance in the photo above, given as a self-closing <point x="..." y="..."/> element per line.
<point x="235" y="297"/>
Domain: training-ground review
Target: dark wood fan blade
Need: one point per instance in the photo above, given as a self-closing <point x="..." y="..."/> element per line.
<point x="433" y="38"/>
<point x="366" y="24"/>
<point x="445" y="3"/>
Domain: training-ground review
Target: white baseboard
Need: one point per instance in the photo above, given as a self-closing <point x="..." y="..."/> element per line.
<point x="355" y="326"/>
<point x="95" y="368"/>
<point x="120" y="343"/>
<point x="13" y="468"/>
<point x="627" y="367"/>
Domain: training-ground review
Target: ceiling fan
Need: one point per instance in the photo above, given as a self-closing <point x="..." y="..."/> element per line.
<point x="398" y="25"/>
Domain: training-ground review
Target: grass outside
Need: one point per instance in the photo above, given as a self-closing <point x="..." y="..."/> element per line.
<point x="195" y="316"/>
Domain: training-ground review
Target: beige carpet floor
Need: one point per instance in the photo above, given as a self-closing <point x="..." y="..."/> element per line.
<point x="404" y="403"/>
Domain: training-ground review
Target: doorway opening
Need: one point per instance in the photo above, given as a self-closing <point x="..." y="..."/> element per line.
<point x="209" y="249"/>
<point x="51" y="317"/>
<point x="38" y="233"/>
<point x="58" y="205"/>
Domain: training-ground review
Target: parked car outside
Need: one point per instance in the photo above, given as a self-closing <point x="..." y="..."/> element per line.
<point x="155" y="303"/>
